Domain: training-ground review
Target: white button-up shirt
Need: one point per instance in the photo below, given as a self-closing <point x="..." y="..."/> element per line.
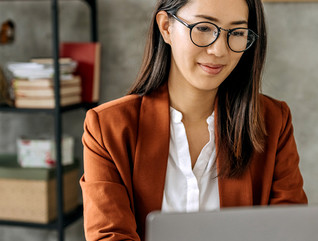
<point x="187" y="189"/>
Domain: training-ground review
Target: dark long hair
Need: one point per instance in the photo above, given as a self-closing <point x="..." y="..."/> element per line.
<point x="240" y="123"/>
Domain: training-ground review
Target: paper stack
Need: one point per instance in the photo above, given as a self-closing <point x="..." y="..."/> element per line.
<point x="33" y="83"/>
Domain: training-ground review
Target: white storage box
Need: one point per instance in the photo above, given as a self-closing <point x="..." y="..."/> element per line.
<point x="41" y="152"/>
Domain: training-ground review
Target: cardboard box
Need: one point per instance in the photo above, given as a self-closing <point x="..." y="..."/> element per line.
<point x="29" y="194"/>
<point x="41" y="152"/>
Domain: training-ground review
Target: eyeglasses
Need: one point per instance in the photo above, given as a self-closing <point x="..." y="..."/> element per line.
<point x="203" y="34"/>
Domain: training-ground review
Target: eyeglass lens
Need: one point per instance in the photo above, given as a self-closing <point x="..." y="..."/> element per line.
<point x="204" y="34"/>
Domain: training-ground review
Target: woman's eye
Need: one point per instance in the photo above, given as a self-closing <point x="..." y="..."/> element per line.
<point x="238" y="33"/>
<point x="203" y="28"/>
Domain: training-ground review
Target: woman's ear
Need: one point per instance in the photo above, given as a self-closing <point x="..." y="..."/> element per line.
<point x="163" y="22"/>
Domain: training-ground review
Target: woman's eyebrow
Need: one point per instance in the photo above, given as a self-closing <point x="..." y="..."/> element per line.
<point x="239" y="22"/>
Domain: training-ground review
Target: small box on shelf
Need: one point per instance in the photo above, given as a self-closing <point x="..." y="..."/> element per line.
<point x="41" y="152"/>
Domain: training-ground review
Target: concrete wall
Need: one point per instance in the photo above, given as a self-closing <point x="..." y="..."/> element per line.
<point x="291" y="72"/>
<point x="292" y="75"/>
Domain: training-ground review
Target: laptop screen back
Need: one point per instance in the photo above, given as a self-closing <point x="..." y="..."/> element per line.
<point x="275" y="223"/>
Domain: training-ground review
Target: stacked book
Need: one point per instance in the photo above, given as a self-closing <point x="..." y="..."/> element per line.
<point x="33" y="83"/>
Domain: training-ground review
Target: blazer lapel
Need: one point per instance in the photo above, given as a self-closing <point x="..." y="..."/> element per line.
<point x="233" y="191"/>
<point x="236" y="191"/>
<point x="152" y="151"/>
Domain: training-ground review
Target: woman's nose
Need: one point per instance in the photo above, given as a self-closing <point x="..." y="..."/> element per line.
<point x="219" y="48"/>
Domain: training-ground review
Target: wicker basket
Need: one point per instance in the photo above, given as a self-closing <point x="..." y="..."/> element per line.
<point x="34" y="200"/>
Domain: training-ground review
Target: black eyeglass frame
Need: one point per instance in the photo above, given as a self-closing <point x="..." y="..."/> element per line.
<point x="229" y="31"/>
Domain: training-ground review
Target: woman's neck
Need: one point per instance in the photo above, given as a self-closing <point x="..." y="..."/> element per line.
<point x="195" y="105"/>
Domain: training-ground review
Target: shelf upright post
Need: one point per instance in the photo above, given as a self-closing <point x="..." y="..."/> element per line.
<point x="93" y="15"/>
<point x="57" y="121"/>
<point x="94" y="26"/>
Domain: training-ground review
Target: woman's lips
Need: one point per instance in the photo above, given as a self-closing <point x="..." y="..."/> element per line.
<point x="212" y="68"/>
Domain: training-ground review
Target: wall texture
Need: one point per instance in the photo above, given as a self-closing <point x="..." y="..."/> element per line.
<point x="291" y="72"/>
<point x="292" y="75"/>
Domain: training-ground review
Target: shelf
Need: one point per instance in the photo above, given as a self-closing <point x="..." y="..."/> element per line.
<point x="62" y="220"/>
<point x="68" y="219"/>
<point x="6" y="108"/>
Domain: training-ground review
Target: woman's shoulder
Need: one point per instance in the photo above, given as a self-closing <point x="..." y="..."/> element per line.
<point x="276" y="112"/>
<point x="273" y="105"/>
<point x="120" y="104"/>
<point x="121" y="111"/>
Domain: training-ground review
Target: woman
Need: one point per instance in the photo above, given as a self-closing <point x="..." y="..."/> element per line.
<point x="194" y="133"/>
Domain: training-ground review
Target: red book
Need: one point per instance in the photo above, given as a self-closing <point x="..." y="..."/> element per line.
<point x="87" y="56"/>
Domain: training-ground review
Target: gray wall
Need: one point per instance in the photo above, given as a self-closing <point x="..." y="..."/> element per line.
<point x="291" y="72"/>
<point x="292" y="75"/>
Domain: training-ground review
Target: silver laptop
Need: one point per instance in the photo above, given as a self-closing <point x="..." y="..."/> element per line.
<point x="275" y="223"/>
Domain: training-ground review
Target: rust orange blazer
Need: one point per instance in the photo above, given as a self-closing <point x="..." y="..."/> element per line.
<point x="126" y="145"/>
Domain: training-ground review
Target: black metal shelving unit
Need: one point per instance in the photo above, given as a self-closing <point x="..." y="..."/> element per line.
<point x="63" y="220"/>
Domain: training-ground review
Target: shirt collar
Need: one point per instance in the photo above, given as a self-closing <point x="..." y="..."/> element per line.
<point x="176" y="117"/>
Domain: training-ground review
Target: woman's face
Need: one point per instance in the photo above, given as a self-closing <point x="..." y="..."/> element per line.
<point x="205" y="68"/>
